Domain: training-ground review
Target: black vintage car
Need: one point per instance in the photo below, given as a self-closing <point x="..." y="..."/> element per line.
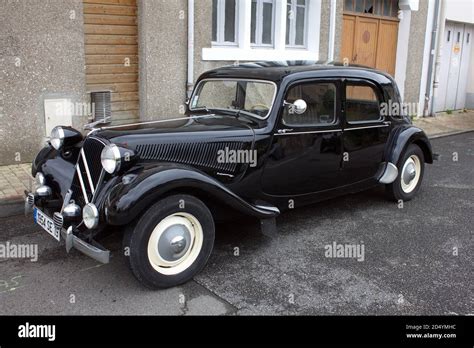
<point x="258" y="139"/>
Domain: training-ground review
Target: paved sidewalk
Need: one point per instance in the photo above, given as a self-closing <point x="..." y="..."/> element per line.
<point x="15" y="179"/>
<point x="446" y="124"/>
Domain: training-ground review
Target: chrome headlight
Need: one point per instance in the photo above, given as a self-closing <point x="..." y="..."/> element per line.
<point x="90" y="215"/>
<point x="111" y="158"/>
<point x="57" y="137"/>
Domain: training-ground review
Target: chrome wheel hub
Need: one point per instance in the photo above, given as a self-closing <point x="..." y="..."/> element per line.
<point x="410" y="173"/>
<point x="175" y="243"/>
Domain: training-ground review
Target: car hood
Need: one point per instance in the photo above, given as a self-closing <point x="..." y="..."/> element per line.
<point x="202" y="128"/>
<point x="197" y="141"/>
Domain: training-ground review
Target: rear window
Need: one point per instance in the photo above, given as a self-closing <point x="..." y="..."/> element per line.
<point x="362" y="103"/>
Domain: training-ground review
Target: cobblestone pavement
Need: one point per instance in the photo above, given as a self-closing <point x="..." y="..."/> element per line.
<point x="14" y="180"/>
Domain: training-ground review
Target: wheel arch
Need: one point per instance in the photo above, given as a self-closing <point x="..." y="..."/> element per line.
<point x="401" y="138"/>
<point x="125" y="202"/>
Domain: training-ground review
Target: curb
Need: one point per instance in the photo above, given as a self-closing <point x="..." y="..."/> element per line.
<point x="16" y="206"/>
<point x="12" y="207"/>
<point x="442" y="135"/>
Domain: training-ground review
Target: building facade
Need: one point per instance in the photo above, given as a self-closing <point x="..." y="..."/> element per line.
<point x="144" y="55"/>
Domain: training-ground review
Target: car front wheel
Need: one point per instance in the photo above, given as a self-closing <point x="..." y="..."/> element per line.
<point x="171" y="242"/>
<point x="410" y="175"/>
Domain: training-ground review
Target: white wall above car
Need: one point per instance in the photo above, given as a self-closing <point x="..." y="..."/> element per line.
<point x="408" y="5"/>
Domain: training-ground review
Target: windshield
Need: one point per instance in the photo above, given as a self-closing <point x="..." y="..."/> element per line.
<point x="253" y="98"/>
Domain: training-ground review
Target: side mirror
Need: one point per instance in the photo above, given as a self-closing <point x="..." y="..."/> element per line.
<point x="298" y="107"/>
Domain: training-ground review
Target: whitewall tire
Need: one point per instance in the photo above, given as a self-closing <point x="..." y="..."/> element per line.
<point x="171" y="242"/>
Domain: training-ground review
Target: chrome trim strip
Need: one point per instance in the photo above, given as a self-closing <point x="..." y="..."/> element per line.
<point x="67" y="199"/>
<point x="83" y="188"/>
<point x="311" y="132"/>
<point x="99" y="182"/>
<point x="150" y="122"/>
<point x="86" y="166"/>
<point x="367" y="127"/>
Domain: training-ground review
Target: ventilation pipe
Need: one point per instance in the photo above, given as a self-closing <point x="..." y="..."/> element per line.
<point x="190" y="79"/>
<point x="429" y="81"/>
<point x="332" y="30"/>
<point x="439" y="47"/>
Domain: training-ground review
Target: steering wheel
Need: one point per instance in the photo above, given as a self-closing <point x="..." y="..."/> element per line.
<point x="260" y="106"/>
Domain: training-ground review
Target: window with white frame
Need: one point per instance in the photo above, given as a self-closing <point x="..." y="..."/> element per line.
<point x="262" y="22"/>
<point x="296" y="23"/>
<point x="224" y="22"/>
<point x="264" y="30"/>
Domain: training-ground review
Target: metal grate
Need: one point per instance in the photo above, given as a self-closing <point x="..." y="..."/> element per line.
<point x="90" y="169"/>
<point x="102" y="104"/>
<point x="196" y="154"/>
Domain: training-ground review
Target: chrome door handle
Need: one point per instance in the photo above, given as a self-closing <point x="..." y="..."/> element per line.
<point x="284" y="131"/>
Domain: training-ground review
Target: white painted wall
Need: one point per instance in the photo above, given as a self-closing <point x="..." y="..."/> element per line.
<point x="460" y="10"/>
<point x="402" y="50"/>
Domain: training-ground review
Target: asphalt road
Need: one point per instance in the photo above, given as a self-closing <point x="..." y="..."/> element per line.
<point x="418" y="260"/>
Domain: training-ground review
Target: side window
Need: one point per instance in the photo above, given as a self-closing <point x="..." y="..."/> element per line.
<point x="321" y="101"/>
<point x="362" y="103"/>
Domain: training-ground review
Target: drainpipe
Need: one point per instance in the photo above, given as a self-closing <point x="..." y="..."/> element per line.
<point x="332" y="30"/>
<point x="429" y="79"/>
<point x="190" y="79"/>
<point x="439" y="47"/>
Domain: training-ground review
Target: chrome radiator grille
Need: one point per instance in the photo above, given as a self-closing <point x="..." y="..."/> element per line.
<point x="88" y="173"/>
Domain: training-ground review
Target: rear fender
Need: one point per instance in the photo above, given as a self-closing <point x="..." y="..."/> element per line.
<point x="399" y="140"/>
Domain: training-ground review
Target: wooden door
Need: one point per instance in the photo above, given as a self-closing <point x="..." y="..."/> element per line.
<point x="111" y="48"/>
<point x="370" y="41"/>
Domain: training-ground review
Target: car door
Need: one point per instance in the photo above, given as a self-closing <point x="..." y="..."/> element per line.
<point x="305" y="155"/>
<point x="365" y="130"/>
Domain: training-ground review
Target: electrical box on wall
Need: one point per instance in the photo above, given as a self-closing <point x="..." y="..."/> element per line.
<point x="57" y="112"/>
<point x="410" y="5"/>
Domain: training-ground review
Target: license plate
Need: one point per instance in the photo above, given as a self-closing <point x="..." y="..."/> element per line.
<point x="46" y="222"/>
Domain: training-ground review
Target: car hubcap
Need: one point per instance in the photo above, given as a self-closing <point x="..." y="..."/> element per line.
<point x="175" y="243"/>
<point x="410" y="174"/>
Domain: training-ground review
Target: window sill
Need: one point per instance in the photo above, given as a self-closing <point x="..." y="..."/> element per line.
<point x="235" y="53"/>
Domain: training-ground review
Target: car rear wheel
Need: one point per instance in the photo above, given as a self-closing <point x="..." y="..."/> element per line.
<point x="411" y="168"/>
<point x="171" y="242"/>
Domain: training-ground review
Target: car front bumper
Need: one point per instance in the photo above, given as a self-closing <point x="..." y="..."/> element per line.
<point x="93" y="250"/>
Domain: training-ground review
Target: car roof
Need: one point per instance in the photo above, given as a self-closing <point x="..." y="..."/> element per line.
<point x="276" y="71"/>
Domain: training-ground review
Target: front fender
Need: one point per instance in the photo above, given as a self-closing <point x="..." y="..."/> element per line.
<point x="401" y="137"/>
<point x="127" y="201"/>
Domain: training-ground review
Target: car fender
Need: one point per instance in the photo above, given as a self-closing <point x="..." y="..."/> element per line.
<point x="400" y="138"/>
<point x="127" y="200"/>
